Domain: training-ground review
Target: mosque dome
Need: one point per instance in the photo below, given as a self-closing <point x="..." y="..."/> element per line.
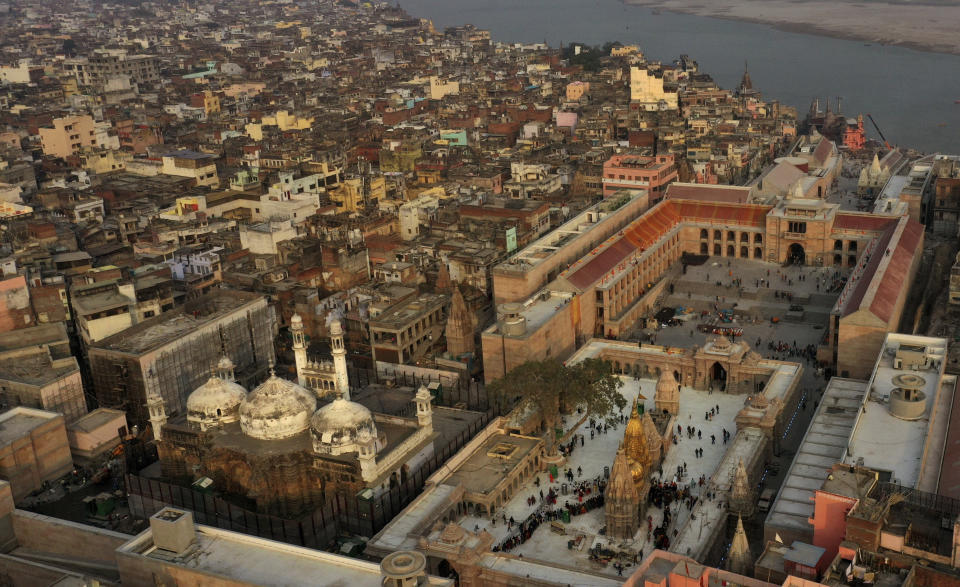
<point x="341" y="427"/>
<point x="276" y="409"/>
<point x="215" y="402"/>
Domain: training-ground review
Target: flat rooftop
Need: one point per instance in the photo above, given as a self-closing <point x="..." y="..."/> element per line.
<point x="894" y="445"/>
<point x="176" y="323"/>
<point x="402" y="314"/>
<point x="258" y="561"/>
<point x="485" y="468"/>
<point x="36" y="367"/>
<point x="96" y="419"/>
<point x="18" y="422"/>
<point x="822" y="447"/>
<point x="545" y="246"/>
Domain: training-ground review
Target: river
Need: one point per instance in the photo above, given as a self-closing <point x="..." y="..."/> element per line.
<point x="910" y="93"/>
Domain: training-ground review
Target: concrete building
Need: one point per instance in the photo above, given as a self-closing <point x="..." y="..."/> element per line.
<point x="95" y="434"/>
<point x="33" y="449"/>
<point x="403" y="332"/>
<point x="648" y="92"/>
<point x="262" y="238"/>
<point x="201" y="167"/>
<point x="102" y="309"/>
<point x="895" y="423"/>
<point x="872" y="302"/>
<point x="68" y="136"/>
<point x="537" y="264"/>
<point x="102" y="65"/>
<point x="38" y="371"/>
<point x="440" y="88"/>
<point x="173" y="353"/>
<point x="42" y="550"/>
<point x="15" y="310"/>
<point x="632" y="172"/>
<point x="177" y="551"/>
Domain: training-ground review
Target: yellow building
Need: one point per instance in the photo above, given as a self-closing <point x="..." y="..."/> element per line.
<point x="576" y="90"/>
<point x="202" y="167"/>
<point x="209" y="101"/>
<point x="68" y="135"/>
<point x="283" y="120"/>
<point x="624" y="50"/>
<point x="354" y="192"/>
<point x="646" y="88"/>
<point x="440" y="88"/>
<point x="104" y="161"/>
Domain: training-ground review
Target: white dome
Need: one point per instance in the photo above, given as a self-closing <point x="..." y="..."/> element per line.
<point x="337" y="427"/>
<point x="296" y="321"/>
<point x="215" y="402"/>
<point x="276" y="409"/>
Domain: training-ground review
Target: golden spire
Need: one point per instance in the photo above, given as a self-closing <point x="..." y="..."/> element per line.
<point x="635" y="439"/>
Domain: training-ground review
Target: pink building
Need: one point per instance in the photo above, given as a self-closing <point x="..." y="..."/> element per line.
<point x="634" y="172"/>
<point x="667" y="569"/>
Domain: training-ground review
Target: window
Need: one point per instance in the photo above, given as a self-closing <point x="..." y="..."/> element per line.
<point x="798" y="227"/>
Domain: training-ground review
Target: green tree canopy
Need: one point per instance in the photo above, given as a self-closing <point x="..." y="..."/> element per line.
<point x="546" y="386"/>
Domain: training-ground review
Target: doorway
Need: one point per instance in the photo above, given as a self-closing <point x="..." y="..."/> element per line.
<point x="796" y="255"/>
<point x="718" y="376"/>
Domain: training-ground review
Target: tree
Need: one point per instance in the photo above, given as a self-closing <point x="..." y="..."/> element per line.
<point x="547" y="386"/>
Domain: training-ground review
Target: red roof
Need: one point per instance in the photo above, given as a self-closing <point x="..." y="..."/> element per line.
<point x="735" y="214"/>
<point x="708" y="193"/>
<point x="888" y="267"/>
<point x="640" y="234"/>
<point x="865" y="222"/>
<point x="646" y="230"/>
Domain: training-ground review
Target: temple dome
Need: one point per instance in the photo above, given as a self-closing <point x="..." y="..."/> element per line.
<point x="667" y="386"/>
<point x="215" y="402"/>
<point x="341" y="427"/>
<point x="276" y="409"/>
<point x="296" y="321"/>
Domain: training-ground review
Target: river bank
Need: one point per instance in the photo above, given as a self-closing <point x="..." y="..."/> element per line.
<point x="919" y="27"/>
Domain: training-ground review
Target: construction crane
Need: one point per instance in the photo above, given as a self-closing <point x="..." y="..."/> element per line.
<point x="879" y="132"/>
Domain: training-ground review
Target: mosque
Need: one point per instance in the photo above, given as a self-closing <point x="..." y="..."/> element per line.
<point x="275" y="448"/>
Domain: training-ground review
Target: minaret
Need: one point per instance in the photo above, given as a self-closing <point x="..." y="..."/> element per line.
<point x="158" y="414"/>
<point x="339" y="359"/>
<point x="739" y="561"/>
<point x="424" y="410"/>
<point x="299" y="348"/>
<point x="225" y="368"/>
<point x="367" y="455"/>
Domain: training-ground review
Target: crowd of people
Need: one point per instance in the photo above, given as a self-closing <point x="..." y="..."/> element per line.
<point x="589" y="497"/>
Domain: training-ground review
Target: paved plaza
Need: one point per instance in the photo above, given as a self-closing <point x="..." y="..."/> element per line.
<point x="596" y="454"/>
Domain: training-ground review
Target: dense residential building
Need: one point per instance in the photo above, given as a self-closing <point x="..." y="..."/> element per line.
<point x="272" y="268"/>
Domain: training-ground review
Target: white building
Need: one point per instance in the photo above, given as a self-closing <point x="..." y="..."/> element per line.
<point x="262" y="238"/>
